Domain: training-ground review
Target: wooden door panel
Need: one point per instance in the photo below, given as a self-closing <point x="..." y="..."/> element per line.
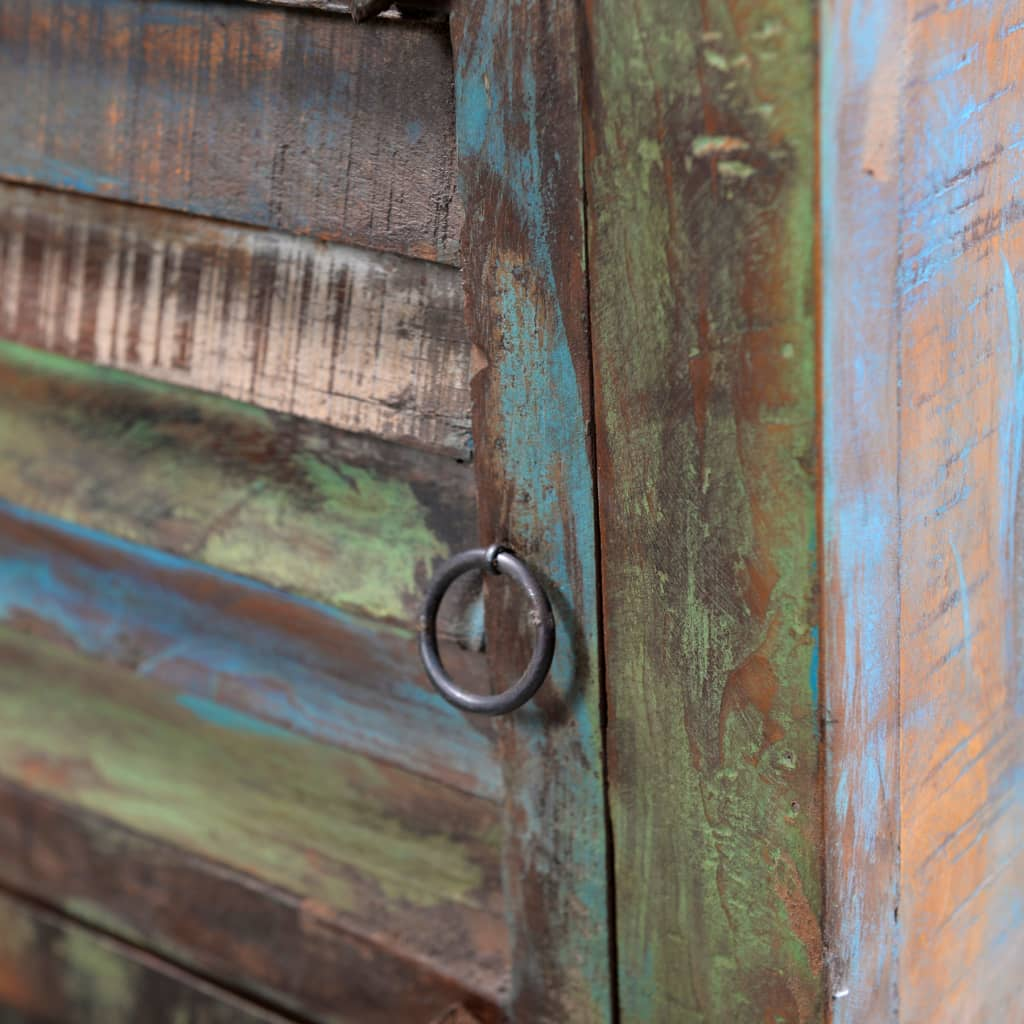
<point x="267" y="117"/>
<point x="208" y="609"/>
<point x="266" y="940"/>
<point x="703" y="249"/>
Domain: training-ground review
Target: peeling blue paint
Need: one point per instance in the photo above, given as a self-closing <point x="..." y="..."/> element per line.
<point x="131" y="615"/>
<point x="546" y="457"/>
<point x="230" y="718"/>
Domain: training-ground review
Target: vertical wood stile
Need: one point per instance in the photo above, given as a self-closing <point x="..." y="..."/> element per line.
<point x="860" y="205"/>
<point x="924" y="405"/>
<point x="701" y="165"/>
<point x="520" y="152"/>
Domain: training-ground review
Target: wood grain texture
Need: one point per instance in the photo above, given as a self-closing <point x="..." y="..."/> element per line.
<point x="519" y="137"/>
<point x="53" y="971"/>
<point x="701" y="173"/>
<point x="370" y="343"/>
<point x="860" y="367"/>
<point x="223" y="645"/>
<point x="275" y="118"/>
<point x="264" y="940"/>
<point x="342" y="520"/>
<point x="437" y="9"/>
<point x="359" y="848"/>
<point x="932" y="301"/>
<point x="962" y="426"/>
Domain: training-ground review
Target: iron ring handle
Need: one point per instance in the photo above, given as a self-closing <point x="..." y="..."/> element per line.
<point x="498" y="560"/>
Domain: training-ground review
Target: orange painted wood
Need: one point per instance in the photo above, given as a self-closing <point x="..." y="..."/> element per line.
<point x="923" y="404"/>
<point x="962" y="428"/>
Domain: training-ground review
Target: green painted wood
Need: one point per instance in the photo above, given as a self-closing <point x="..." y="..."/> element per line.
<point x="53" y="971"/>
<point x="519" y="138"/>
<point x="346" y="521"/>
<point x="701" y="191"/>
<point x="370" y="849"/>
<point x="257" y="115"/>
<point x="223" y="644"/>
<point x="266" y="941"/>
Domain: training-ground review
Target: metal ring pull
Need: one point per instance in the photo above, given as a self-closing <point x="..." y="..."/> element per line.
<point x="499" y="560"/>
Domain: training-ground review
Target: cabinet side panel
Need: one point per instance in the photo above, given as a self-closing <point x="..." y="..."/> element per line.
<point x="924" y="260"/>
<point x="962" y="427"/>
<point x="701" y="174"/>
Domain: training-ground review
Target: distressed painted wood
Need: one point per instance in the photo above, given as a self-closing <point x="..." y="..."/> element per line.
<point x="962" y="423"/>
<point x="406" y="8"/>
<point x="268" y="117"/>
<point x="519" y="139"/>
<point x="457" y="1015"/>
<point x="223" y="645"/>
<point x="300" y="957"/>
<point x="933" y="93"/>
<point x="54" y="970"/>
<point x="365" y="849"/>
<point x="860" y="366"/>
<point x="701" y="169"/>
<point x="342" y="520"/>
<point x="367" y="342"/>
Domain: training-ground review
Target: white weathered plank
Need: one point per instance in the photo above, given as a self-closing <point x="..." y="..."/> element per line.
<point x="364" y="341"/>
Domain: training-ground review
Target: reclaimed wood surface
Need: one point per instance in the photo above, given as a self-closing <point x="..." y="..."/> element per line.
<point x="367" y="342"/>
<point x="519" y="139"/>
<point x="223" y="645"/>
<point x="701" y="169"/>
<point x="269" y="117"/>
<point x="363" y="849"/>
<point x="929" y="301"/>
<point x="346" y="521"/>
<point x="437" y="9"/>
<point x="860" y="368"/>
<point x="264" y="940"/>
<point x="53" y="971"/>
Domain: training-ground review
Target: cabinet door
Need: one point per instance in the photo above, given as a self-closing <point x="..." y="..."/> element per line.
<point x="294" y="309"/>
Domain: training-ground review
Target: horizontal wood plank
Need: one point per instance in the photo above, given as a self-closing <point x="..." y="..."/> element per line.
<point x="401" y="9"/>
<point x="53" y="970"/>
<point x="364" y="849"/>
<point x="346" y="521"/>
<point x="363" y="341"/>
<point x="223" y="645"/>
<point x="269" y="117"/>
<point x="264" y="940"/>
